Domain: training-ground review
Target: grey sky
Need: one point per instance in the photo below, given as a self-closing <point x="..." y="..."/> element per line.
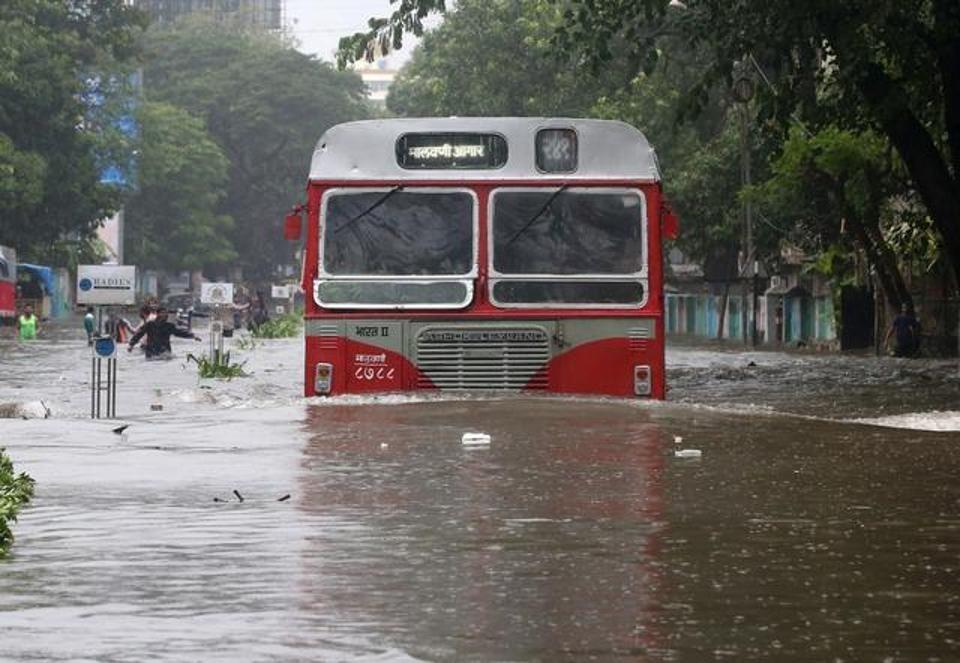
<point x="319" y="24"/>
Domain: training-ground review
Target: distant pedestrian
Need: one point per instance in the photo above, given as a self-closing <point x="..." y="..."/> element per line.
<point x="158" y="332"/>
<point x="89" y="324"/>
<point x="27" y="324"/>
<point x="259" y="314"/>
<point x="906" y="330"/>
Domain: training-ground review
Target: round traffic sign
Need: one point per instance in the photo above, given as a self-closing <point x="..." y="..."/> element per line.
<point x="105" y="347"/>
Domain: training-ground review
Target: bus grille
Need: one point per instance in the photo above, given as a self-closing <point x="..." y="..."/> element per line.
<point x="483" y="358"/>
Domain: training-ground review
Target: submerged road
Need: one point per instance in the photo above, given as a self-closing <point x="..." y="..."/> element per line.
<point x="822" y="521"/>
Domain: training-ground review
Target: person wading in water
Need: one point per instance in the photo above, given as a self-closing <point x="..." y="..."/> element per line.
<point x="158" y="332"/>
<point x="27" y="324"/>
<point x="906" y="330"/>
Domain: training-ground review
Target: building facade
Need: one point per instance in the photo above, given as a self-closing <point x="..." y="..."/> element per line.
<point x="267" y="14"/>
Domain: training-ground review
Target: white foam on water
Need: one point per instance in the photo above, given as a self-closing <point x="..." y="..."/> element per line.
<point x="932" y="421"/>
<point x="475" y="439"/>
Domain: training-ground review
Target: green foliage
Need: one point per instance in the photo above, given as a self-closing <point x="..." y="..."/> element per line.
<point x="912" y="235"/>
<point x="15" y="491"/>
<point x="265" y="105"/>
<point x="386" y="34"/>
<point x="172" y="219"/>
<point x="219" y="366"/>
<point x="703" y="185"/>
<point x="284" y="326"/>
<point x="820" y="181"/>
<point x="835" y="262"/>
<point x="468" y="66"/>
<point x="53" y="57"/>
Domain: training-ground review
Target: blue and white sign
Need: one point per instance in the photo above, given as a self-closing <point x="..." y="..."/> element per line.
<point x="106" y="284"/>
<point x="105" y="347"/>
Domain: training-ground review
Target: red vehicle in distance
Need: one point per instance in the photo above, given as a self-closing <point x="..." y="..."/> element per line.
<point x="518" y="254"/>
<point x="8" y="284"/>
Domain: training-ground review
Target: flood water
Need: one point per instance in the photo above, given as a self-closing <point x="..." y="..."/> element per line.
<point x="822" y="521"/>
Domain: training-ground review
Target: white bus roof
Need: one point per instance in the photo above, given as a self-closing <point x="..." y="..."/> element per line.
<point x="366" y="150"/>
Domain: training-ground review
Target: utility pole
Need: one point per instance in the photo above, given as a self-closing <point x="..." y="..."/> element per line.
<point x="743" y="90"/>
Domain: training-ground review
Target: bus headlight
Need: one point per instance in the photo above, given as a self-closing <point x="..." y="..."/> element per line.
<point x="642" y="380"/>
<point x="323" y="380"/>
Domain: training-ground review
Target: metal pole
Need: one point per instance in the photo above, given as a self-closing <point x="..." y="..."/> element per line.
<point x="748" y="222"/>
<point x="93" y="385"/>
<point x="113" y="387"/>
<point x="98" y="387"/>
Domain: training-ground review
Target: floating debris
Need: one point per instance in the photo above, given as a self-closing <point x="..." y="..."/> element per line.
<point x="684" y="453"/>
<point x="475" y="439"/>
<point x="687" y="453"/>
<point x="284" y="498"/>
<point x="156" y="407"/>
<point x="27" y="410"/>
<point x="237" y="493"/>
<point x="119" y="429"/>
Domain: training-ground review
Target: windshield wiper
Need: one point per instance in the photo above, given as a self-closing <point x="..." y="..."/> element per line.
<point x="380" y="201"/>
<point x="539" y="213"/>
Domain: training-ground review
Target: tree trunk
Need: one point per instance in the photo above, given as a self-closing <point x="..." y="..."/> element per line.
<point x="888" y="283"/>
<point x="885" y="256"/>
<point x="925" y="163"/>
<point x="723" y="310"/>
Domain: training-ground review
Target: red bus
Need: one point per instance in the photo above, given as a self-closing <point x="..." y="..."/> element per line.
<point x="518" y="254"/>
<point x="8" y="283"/>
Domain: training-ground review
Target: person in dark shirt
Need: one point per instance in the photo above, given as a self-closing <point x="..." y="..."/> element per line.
<point x="158" y="332"/>
<point x="906" y="331"/>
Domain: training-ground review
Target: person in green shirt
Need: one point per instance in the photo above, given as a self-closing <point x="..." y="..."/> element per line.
<point x="27" y="324"/>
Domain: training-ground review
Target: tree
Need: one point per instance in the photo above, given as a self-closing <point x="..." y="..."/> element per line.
<point x="172" y="220"/>
<point x="265" y="105"/>
<point x="51" y="55"/>
<point x="469" y="66"/>
<point x="836" y="187"/>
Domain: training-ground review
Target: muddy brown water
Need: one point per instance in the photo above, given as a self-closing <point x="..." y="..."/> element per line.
<point x="806" y="531"/>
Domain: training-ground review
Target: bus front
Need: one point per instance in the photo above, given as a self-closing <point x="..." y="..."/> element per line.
<point x="507" y="254"/>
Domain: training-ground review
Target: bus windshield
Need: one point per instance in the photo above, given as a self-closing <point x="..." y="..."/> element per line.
<point x="567" y="232"/>
<point x="568" y="247"/>
<point x="399" y="233"/>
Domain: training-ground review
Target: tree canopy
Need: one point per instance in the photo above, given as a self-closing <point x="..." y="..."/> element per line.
<point x="52" y="57"/>
<point x="470" y="65"/>
<point x="265" y="105"/>
<point x="172" y="219"/>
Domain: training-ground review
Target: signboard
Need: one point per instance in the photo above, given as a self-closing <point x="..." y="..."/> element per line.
<point x="106" y="284"/>
<point x="280" y="291"/>
<point x="451" y="150"/>
<point x="104" y="347"/>
<point x="216" y="293"/>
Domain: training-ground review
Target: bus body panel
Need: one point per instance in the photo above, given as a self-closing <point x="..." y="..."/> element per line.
<point x="8" y="282"/>
<point x="569" y="356"/>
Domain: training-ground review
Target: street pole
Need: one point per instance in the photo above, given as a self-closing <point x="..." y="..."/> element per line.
<point x="743" y="89"/>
